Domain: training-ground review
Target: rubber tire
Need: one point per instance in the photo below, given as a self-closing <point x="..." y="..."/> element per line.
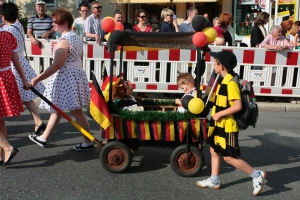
<point x="119" y="151"/>
<point x="198" y="161"/>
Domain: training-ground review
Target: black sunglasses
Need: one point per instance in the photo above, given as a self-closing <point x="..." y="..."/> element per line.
<point x="143" y="17"/>
<point x="98" y="7"/>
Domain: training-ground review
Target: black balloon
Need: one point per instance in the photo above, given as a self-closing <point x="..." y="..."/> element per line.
<point x="185" y="101"/>
<point x="198" y="23"/>
<point x="208" y="24"/>
<point x="116" y="38"/>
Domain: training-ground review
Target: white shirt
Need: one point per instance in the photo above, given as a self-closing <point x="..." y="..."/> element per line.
<point x="79" y="25"/>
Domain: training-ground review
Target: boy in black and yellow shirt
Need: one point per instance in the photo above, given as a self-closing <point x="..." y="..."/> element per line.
<point x="223" y="130"/>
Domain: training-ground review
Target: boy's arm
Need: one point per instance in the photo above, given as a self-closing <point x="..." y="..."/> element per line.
<point x="236" y="107"/>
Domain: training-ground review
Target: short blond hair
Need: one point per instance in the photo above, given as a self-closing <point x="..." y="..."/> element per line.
<point x="215" y="20"/>
<point x="165" y="12"/>
<point x="185" y="78"/>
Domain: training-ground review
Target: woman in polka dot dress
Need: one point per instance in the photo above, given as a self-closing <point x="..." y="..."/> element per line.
<point x="67" y="86"/>
<point x="10" y="13"/>
<point x="10" y="100"/>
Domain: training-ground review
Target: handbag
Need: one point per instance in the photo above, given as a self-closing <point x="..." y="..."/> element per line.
<point x="23" y="41"/>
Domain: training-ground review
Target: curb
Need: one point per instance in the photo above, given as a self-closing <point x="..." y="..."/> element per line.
<point x="278" y="107"/>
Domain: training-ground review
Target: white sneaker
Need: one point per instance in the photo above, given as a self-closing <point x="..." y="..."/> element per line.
<point x="258" y="183"/>
<point x="208" y="184"/>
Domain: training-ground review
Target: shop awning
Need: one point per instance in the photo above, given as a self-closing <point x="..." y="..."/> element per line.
<point x="159" y="1"/>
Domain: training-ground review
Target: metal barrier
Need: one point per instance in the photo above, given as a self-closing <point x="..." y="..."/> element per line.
<point x="272" y="73"/>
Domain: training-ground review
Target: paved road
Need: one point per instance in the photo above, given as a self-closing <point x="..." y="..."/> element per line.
<point x="56" y="172"/>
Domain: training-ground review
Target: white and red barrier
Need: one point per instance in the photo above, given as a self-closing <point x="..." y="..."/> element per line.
<point x="278" y="73"/>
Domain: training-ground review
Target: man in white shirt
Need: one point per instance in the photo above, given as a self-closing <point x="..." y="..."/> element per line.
<point x="92" y="26"/>
<point x="186" y="26"/>
<point x="78" y="25"/>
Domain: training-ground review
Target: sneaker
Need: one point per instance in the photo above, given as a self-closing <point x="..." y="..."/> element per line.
<point x="78" y="147"/>
<point x="258" y="183"/>
<point x="33" y="138"/>
<point x="208" y="184"/>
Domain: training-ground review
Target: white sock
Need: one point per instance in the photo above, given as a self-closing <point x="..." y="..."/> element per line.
<point x="214" y="179"/>
<point x="39" y="138"/>
<point x="86" y="144"/>
<point x="254" y="174"/>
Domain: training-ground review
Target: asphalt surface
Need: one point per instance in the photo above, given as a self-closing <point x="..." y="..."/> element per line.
<point x="57" y="172"/>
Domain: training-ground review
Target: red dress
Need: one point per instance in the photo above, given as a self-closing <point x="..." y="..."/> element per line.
<point x="10" y="99"/>
<point x="137" y="29"/>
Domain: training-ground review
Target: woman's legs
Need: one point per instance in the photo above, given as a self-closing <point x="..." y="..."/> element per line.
<point x="82" y="121"/>
<point x="5" y="147"/>
<point x="3" y="132"/>
<point x="31" y="106"/>
<point x="51" y="126"/>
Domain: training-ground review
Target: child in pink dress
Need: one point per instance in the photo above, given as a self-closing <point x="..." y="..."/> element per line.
<point x="220" y="32"/>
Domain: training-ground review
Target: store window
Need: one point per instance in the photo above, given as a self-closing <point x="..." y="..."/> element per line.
<point x="246" y="13"/>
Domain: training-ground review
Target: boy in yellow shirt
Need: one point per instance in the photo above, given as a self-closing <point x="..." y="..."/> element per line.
<point x="223" y="129"/>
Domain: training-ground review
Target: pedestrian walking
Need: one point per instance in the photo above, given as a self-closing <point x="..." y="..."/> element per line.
<point x="223" y="130"/>
<point x="10" y="99"/>
<point x="10" y="14"/>
<point x="67" y="87"/>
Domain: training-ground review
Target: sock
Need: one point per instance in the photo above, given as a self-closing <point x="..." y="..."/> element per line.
<point x="39" y="138"/>
<point x="214" y="179"/>
<point x="254" y="174"/>
<point x="86" y="144"/>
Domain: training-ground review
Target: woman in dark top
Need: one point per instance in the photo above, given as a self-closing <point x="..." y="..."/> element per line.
<point x="226" y="20"/>
<point x="169" y="24"/>
<point x="259" y="32"/>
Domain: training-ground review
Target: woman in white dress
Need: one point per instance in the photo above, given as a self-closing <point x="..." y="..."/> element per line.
<point x="67" y="86"/>
<point x="10" y="14"/>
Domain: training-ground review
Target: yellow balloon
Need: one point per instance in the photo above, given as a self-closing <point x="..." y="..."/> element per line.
<point x="106" y="95"/>
<point x="106" y="37"/>
<point x="196" y="106"/>
<point x="210" y="33"/>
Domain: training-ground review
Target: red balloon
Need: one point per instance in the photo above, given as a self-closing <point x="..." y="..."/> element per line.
<point x="199" y="39"/>
<point x="108" y="24"/>
<point x="119" y="26"/>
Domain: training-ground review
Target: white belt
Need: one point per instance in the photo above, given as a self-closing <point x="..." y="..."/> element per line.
<point x="21" y="54"/>
<point x="73" y="64"/>
<point x="5" y="69"/>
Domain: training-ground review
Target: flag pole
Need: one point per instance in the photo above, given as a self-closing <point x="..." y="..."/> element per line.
<point x="59" y="111"/>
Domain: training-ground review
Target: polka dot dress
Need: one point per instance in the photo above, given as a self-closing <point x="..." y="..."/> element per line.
<point x="10" y="99"/>
<point x="68" y="88"/>
<point x="26" y="95"/>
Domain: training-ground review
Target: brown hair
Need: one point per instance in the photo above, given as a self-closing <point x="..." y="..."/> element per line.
<point x="294" y="29"/>
<point x="286" y="25"/>
<point x="260" y="20"/>
<point x="139" y="11"/>
<point x="63" y="15"/>
<point x="226" y="19"/>
<point x="185" y="78"/>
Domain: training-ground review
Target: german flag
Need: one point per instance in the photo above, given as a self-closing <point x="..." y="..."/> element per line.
<point x="98" y="107"/>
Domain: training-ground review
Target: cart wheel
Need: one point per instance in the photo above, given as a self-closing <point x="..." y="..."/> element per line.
<point x="178" y="161"/>
<point x="115" y="157"/>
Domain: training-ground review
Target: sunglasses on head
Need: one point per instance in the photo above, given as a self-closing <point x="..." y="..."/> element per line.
<point x="98" y="7"/>
<point x="143" y="17"/>
<point x="118" y="11"/>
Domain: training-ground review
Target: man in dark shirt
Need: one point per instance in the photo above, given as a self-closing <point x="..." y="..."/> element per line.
<point x="40" y="25"/>
<point x="120" y="18"/>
